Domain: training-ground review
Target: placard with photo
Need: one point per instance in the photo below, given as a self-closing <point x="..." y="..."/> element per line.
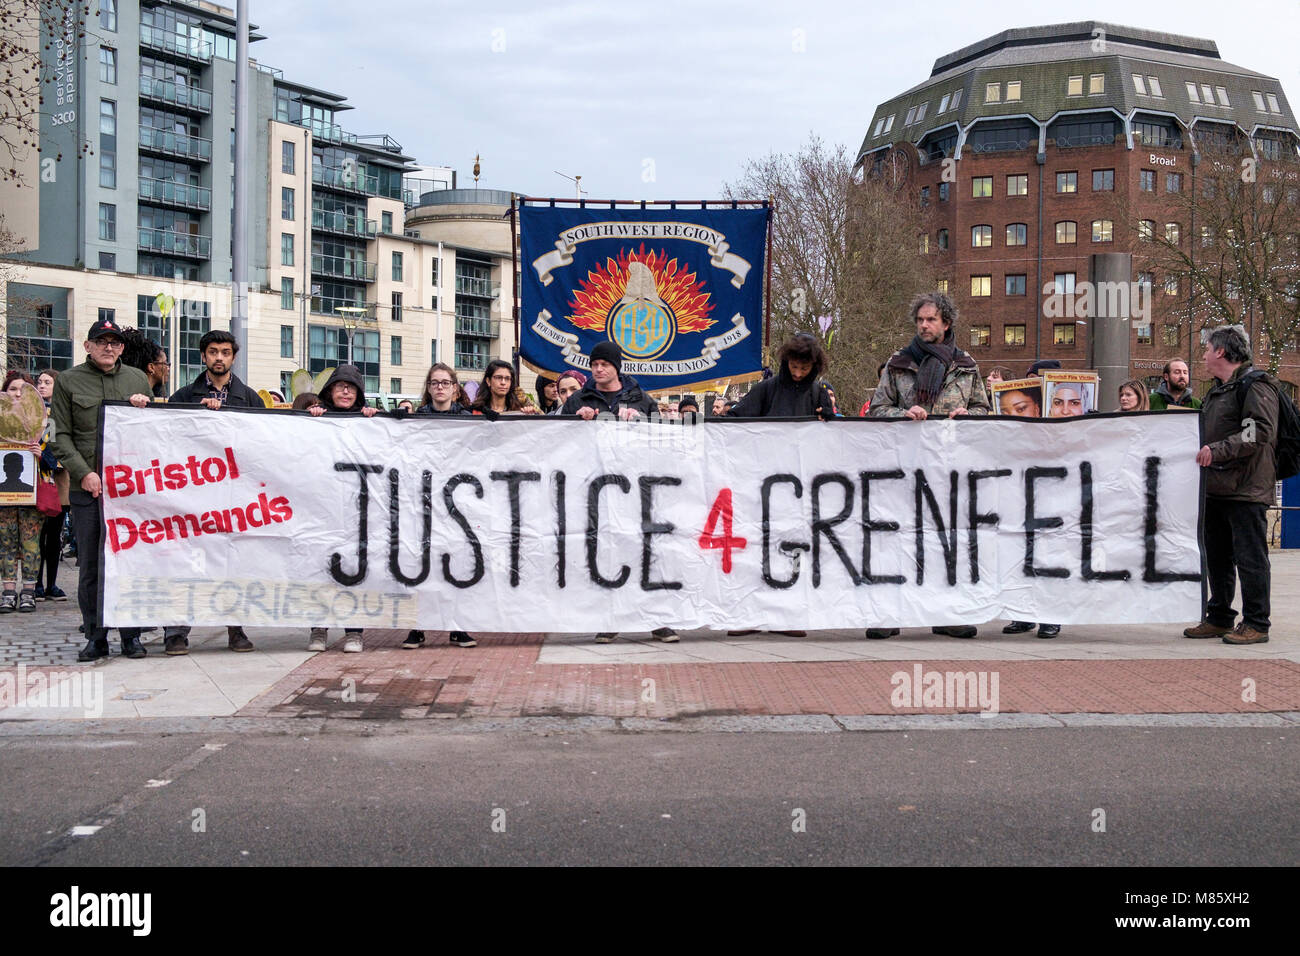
<point x="1068" y="394"/>
<point x="17" y="475"/>
<point x="1021" y="398"/>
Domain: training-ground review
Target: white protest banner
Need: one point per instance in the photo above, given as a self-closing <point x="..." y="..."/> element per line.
<point x="525" y="524"/>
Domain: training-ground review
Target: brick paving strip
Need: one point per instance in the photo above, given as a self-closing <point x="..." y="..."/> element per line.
<point x="502" y="678"/>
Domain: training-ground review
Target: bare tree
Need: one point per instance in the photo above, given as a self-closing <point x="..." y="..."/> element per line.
<point x="25" y="72"/>
<point x="846" y="258"/>
<point x="1231" y="245"/>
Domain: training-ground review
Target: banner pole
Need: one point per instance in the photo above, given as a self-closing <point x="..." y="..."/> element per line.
<point x="514" y="277"/>
<point x="767" y="312"/>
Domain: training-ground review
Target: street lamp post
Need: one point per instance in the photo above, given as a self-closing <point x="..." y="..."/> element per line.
<point x="351" y="315"/>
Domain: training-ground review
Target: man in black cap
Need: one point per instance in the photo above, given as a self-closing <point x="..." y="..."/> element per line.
<point x="74" y="407"/>
<point x="608" y="391"/>
<point x="217" y="387"/>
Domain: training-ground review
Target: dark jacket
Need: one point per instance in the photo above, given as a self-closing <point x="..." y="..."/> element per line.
<point x="962" y="388"/>
<point x="78" y="393"/>
<point x="1161" y="399"/>
<point x="238" y="395"/>
<point x="1242" y="470"/>
<point x="456" y="409"/>
<point x="782" y="397"/>
<point x="630" y="396"/>
<point x="344" y="373"/>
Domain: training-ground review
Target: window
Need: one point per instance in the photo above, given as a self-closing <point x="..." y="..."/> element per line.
<point x="1013" y="91"/>
<point x="108" y="14"/>
<point x="1169" y="335"/>
<point x="880" y="125"/>
<point x="1018" y="185"/>
<point x="943" y="192"/>
<point x="1139" y="85"/>
<point x="981" y="187"/>
<point x="395" y="386"/>
<point x="956" y="99"/>
<point x="1017" y="234"/>
<point x="1016" y="284"/>
<point x="943" y="103"/>
<point x="943" y="239"/>
<point x="992" y="92"/>
<point x="1103" y="180"/>
<point x="1154" y="83"/>
<point x="911" y="117"/>
<point x="286" y="203"/>
<point x="1195" y="97"/>
<point x="979" y="335"/>
<point x="981" y="236"/>
<point x="925" y="196"/>
<point x="1272" y="103"/>
<point x="108" y="314"/>
<point x="1222" y="95"/>
<point x="981" y="285"/>
<point x="1207" y="94"/>
<point x="286" y="248"/>
<point x="1171" y="285"/>
<point x="386" y="222"/>
<point x="1013" y="335"/>
<point x="397" y="267"/>
<point x="107" y="65"/>
<point x="1147" y="180"/>
<point x="1074" y="86"/>
<point x="1063" y="334"/>
<point x="108" y="169"/>
<point x="1143" y="333"/>
<point x="286" y="341"/>
<point x="920" y="113"/>
<point x="108" y="260"/>
<point x="108" y="222"/>
<point x="108" y="144"/>
<point x="925" y="243"/>
<point x="1172" y="233"/>
<point x="1067" y="182"/>
<point x="1146" y="230"/>
<point x="1066" y="231"/>
<point x="942" y="285"/>
<point x="395" y="350"/>
<point x="1173" y="182"/>
<point x="433" y="351"/>
<point x="397" y="307"/>
<point x="286" y="293"/>
<point x="287" y="161"/>
<point x="1096" y="84"/>
<point x="1063" y="283"/>
<point x="889" y="123"/>
<point x="1146" y="280"/>
<point x="1103" y="230"/>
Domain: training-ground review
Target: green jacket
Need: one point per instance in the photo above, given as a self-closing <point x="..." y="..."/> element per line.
<point x="1161" y="399"/>
<point x="962" y="388"/>
<point x="78" y="393"/>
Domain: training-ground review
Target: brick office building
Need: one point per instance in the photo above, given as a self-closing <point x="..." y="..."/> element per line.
<point x="1038" y="147"/>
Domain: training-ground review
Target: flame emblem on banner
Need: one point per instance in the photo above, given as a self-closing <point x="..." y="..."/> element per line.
<point x="641" y="300"/>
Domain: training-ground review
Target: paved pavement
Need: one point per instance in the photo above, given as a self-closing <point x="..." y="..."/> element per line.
<point x="1133" y="670"/>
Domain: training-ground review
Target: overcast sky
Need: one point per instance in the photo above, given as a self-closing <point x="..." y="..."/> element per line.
<point x="666" y="100"/>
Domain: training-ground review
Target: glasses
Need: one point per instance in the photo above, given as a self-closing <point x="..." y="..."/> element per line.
<point x="109" y="344"/>
<point x="440" y="383"/>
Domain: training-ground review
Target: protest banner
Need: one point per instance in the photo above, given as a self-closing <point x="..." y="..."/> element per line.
<point x="550" y="524"/>
<point x="678" y="289"/>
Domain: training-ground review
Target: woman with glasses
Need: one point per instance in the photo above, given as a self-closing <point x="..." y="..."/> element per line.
<point x="441" y="389"/>
<point x="498" y="395"/>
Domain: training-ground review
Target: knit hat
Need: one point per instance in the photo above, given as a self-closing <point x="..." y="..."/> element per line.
<point x="1040" y="365"/>
<point x="608" y="352"/>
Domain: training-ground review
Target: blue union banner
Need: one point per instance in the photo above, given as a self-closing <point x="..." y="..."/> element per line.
<point x="680" y="291"/>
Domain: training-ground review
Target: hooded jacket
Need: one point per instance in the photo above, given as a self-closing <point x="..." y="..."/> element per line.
<point x="344" y="373"/>
<point x="456" y="409"/>
<point x="629" y="396"/>
<point x="782" y="397"/>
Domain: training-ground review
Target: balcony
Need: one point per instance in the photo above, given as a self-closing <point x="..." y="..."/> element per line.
<point x="338" y="267"/>
<point x="172" y="243"/>
<point x="164" y="192"/>
<point x="176" y="94"/>
<point x="170" y="143"/>
<point x="478" y="288"/>
<point x="174" y="44"/>
<point x="473" y="361"/>
<point x="323" y="305"/>
<point x="343" y="224"/>
<point x="348" y="179"/>
<point x="480" y="328"/>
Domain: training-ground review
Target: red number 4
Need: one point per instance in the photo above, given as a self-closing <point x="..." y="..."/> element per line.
<point x="727" y="542"/>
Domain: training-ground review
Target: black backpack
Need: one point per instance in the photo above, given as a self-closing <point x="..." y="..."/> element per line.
<point x="1287" y="447"/>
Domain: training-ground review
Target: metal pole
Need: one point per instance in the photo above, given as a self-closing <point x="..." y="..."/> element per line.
<point x="239" y="256"/>
<point x="767" y="316"/>
<point x="514" y="277"/>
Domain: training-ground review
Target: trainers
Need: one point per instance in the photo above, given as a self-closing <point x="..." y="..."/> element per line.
<point x="39" y="592"/>
<point x="665" y="634"/>
<point x="1243" y="634"/>
<point x="8" y="602"/>
<point x="956" y="630"/>
<point x="319" y="636"/>
<point x="882" y="633"/>
<point x="1018" y="627"/>
<point x="352" y="644"/>
<point x="239" y="640"/>
<point x="132" y="648"/>
<point x="413" y="640"/>
<point x="27" y="601"/>
<point x="1206" y="629"/>
<point x="606" y="637"/>
<point x="175" y="645"/>
<point x="1049" y="630"/>
<point x="55" y="593"/>
<point x="461" y="639"/>
<point x="93" y="651"/>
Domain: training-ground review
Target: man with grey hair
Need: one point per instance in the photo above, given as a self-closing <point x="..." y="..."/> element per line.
<point x="1239" y="420"/>
<point x="931" y="376"/>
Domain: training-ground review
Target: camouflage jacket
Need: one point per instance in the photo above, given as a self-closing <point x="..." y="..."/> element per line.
<point x="962" y="388"/>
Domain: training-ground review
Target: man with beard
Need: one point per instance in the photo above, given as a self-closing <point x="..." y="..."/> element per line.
<point x="1174" y="390"/>
<point x="217" y="387"/>
<point x="930" y="377"/>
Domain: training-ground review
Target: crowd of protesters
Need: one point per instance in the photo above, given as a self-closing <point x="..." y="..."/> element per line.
<point x="929" y="377"/>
